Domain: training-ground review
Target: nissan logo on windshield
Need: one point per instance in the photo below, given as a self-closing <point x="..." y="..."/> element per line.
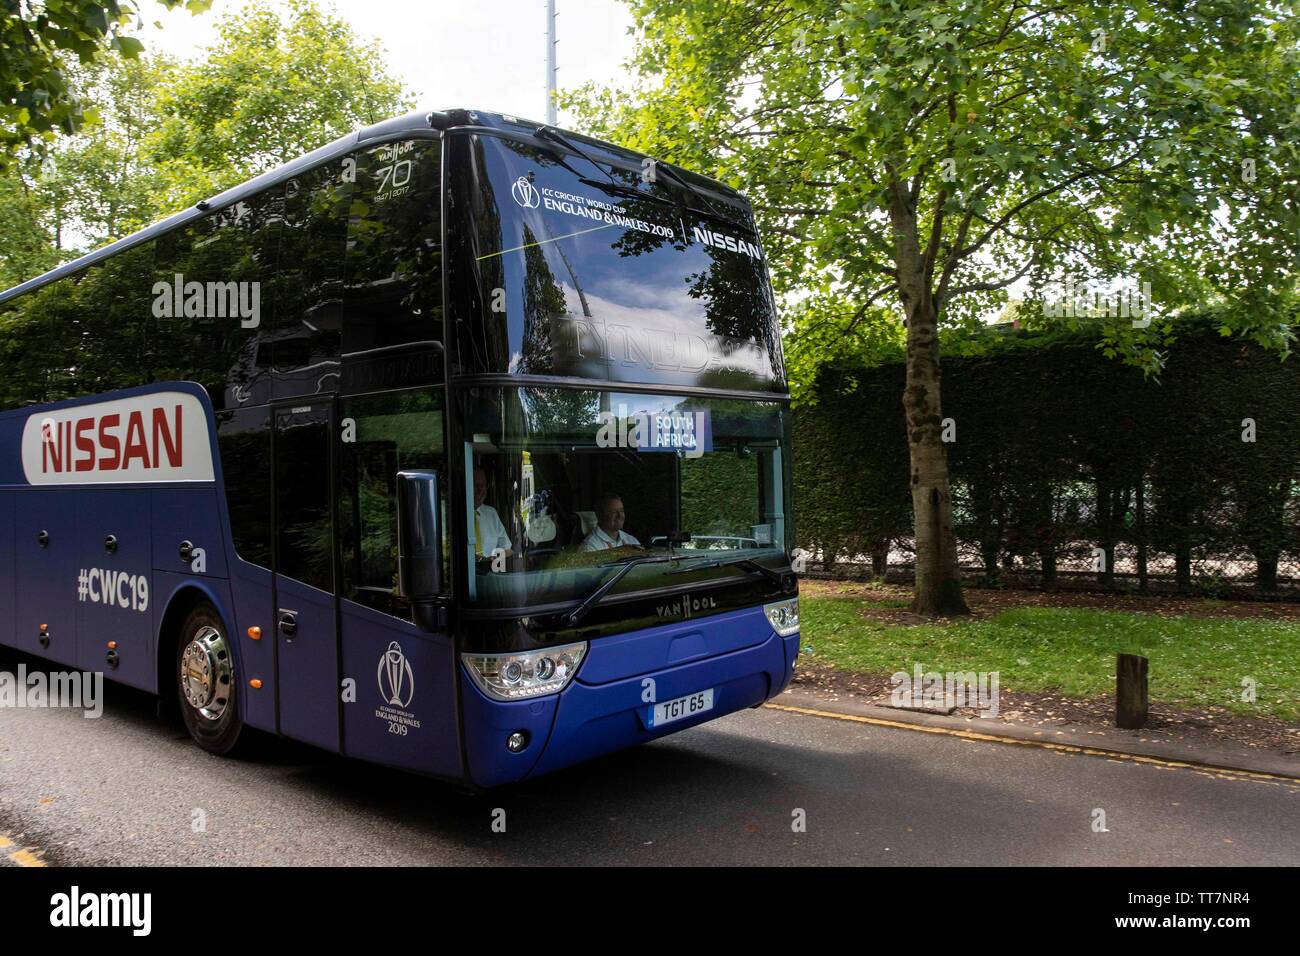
<point x="525" y="193"/>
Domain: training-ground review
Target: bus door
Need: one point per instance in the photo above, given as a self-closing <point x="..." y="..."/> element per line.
<point x="306" y="629"/>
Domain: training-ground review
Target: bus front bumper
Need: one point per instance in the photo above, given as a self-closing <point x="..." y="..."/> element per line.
<point x="589" y="719"/>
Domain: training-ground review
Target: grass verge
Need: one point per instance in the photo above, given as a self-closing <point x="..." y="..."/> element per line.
<point x="1195" y="661"/>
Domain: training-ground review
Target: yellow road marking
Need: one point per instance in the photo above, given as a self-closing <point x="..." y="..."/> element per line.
<point x="1275" y="778"/>
<point x="23" y="857"/>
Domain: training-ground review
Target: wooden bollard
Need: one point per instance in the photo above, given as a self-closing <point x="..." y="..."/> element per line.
<point x="1130" y="691"/>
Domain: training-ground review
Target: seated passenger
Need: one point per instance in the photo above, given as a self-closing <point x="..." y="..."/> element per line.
<point x="609" y="532"/>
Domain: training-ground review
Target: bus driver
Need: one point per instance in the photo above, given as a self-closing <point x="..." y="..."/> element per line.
<point x="609" y="532"/>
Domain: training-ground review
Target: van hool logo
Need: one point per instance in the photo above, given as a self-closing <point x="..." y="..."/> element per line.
<point x="396" y="680"/>
<point x="525" y="193"/>
<point x="685" y="606"/>
<point x="161" y="436"/>
<point x="179" y="299"/>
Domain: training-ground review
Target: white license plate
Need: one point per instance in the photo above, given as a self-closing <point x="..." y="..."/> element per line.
<point x="682" y="707"/>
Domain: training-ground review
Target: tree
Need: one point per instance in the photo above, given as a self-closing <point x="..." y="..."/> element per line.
<point x="919" y="158"/>
<point x="167" y="134"/>
<point x="38" y="38"/>
<point x="100" y="185"/>
<point x="27" y="249"/>
<point x="271" y="87"/>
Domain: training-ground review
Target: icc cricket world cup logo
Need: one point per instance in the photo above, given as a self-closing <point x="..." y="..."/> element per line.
<point x="396" y="679"/>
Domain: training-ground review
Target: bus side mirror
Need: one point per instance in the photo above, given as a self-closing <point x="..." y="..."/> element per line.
<point x="419" y="544"/>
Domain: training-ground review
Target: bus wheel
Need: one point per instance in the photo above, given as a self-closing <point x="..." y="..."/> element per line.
<point x="205" y="681"/>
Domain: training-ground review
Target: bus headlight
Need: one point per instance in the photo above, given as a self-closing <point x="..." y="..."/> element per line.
<point x="783" y="616"/>
<point x="525" y="674"/>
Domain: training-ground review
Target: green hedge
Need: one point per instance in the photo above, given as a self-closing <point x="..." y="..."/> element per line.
<point x="1060" y="451"/>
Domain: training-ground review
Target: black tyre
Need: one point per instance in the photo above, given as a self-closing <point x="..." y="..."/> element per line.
<point x="205" y="681"/>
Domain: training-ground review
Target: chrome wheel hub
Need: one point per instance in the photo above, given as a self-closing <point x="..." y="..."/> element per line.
<point x="206" y="673"/>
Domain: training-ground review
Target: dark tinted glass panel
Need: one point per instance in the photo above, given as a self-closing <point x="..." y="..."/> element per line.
<point x="561" y="266"/>
<point x="302" y="495"/>
<point x="570" y="481"/>
<point x="88" y="333"/>
<point x="209" y="310"/>
<point x="38" y="345"/>
<point x="308" y="324"/>
<point x="392" y="321"/>
<point x="382" y="435"/>
<point x="244" y="440"/>
<point x="115" y="325"/>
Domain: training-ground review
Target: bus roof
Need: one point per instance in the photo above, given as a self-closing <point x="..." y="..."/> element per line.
<point x="443" y="120"/>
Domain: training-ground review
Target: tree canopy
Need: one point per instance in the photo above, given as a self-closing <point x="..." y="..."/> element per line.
<point x="39" y="40"/>
<point x="1027" y="142"/>
<point x="273" y="85"/>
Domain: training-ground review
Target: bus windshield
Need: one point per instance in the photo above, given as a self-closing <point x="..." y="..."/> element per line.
<point x="560" y="484"/>
<point x="575" y="266"/>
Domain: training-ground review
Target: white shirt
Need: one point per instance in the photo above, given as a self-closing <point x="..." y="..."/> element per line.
<point x="492" y="532"/>
<point x="599" y="541"/>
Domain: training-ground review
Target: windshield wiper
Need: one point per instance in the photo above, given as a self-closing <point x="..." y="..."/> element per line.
<point x="692" y="191"/>
<point x="555" y="136"/>
<point x="749" y="564"/>
<point x="595" y="597"/>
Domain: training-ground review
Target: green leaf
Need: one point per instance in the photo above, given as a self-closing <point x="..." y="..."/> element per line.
<point x="129" y="47"/>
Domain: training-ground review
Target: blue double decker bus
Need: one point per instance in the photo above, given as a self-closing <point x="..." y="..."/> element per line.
<point x="460" y="445"/>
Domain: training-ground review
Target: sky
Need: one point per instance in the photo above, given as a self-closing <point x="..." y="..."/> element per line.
<point x="476" y="54"/>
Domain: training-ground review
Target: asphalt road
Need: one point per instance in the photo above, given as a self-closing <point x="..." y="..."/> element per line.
<point x="129" y="789"/>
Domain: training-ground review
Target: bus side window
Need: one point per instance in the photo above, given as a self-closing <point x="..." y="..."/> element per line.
<point x="392" y="306"/>
<point x="209" y="312"/>
<point x="382" y="435"/>
<point x="309" y="283"/>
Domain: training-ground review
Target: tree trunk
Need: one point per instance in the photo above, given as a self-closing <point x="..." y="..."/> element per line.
<point x="990" y="549"/>
<point x="1266" y="571"/>
<point x="880" y="560"/>
<point x="938" y="584"/>
<point x="1141" y="505"/>
<point x="1183" y="567"/>
<point x="1105" y="534"/>
<point x="1047" y="558"/>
